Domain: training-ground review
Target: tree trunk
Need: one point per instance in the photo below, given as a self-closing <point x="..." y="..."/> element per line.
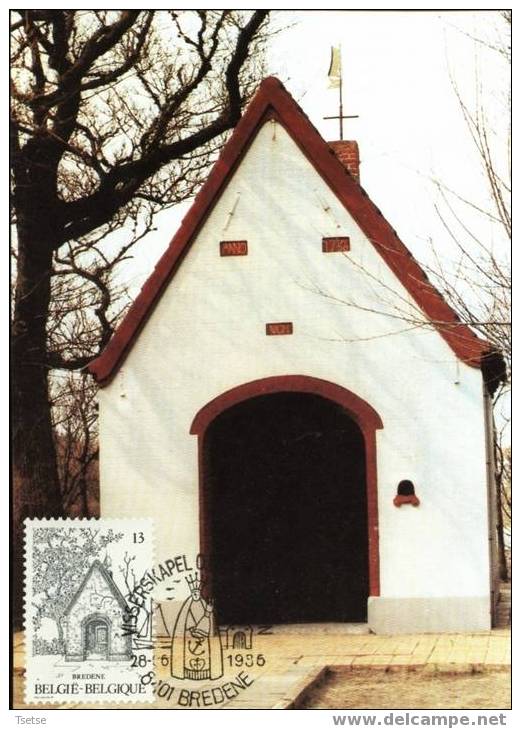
<point x="61" y="638"/>
<point x="503" y="567"/>
<point x="499" y="475"/>
<point x="84" y="492"/>
<point x="36" y="489"/>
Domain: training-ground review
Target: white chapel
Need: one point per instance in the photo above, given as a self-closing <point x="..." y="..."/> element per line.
<point x="291" y="397"/>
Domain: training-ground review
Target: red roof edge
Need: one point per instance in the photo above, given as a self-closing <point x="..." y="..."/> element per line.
<point x="273" y="101"/>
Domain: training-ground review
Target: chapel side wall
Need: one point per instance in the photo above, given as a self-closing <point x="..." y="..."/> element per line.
<point x="207" y="335"/>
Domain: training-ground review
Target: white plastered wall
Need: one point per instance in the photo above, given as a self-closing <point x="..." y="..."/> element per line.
<point x="207" y="335"/>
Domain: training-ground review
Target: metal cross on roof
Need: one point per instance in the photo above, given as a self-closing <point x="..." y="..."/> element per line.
<point x="335" y="81"/>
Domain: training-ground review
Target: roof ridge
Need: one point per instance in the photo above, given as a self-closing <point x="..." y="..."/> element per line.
<point x="272" y="100"/>
<point x="96" y="564"/>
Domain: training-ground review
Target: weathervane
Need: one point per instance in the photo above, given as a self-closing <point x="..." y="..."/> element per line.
<point x="335" y="82"/>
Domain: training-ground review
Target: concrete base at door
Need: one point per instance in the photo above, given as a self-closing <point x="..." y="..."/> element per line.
<point x="428" y="614"/>
<point x="397" y="615"/>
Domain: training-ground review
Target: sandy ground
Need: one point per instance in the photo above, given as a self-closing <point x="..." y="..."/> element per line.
<point x="367" y="689"/>
<point x="411" y="690"/>
<point x="366" y="671"/>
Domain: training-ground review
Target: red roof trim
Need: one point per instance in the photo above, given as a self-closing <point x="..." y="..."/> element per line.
<point x="360" y="410"/>
<point x="273" y="101"/>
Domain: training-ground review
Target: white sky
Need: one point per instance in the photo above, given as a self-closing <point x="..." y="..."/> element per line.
<point x="397" y="68"/>
<point x="397" y="78"/>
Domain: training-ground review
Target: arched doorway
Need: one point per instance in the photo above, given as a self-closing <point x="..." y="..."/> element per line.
<point x="96" y="637"/>
<point x="288" y="502"/>
<point x="239" y="640"/>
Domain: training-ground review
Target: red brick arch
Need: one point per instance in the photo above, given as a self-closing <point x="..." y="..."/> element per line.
<point x="362" y="413"/>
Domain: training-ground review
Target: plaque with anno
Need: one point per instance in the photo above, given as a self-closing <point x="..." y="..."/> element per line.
<point x="233" y="247"/>
<point x="279" y="327"/>
<point x="336" y="244"/>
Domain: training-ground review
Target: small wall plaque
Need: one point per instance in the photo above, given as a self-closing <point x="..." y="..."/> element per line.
<point x="335" y="245"/>
<point x="233" y="247"/>
<point x="279" y="327"/>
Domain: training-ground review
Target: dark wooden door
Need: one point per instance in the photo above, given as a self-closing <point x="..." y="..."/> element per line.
<point x="286" y="512"/>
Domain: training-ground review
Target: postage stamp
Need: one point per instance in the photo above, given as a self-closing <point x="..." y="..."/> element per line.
<point x="80" y="625"/>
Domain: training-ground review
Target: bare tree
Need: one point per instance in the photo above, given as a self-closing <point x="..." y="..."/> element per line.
<point x="128" y="573"/>
<point x="86" y="302"/>
<point x="478" y="283"/>
<point x="75" y="424"/>
<point x="114" y="115"/>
